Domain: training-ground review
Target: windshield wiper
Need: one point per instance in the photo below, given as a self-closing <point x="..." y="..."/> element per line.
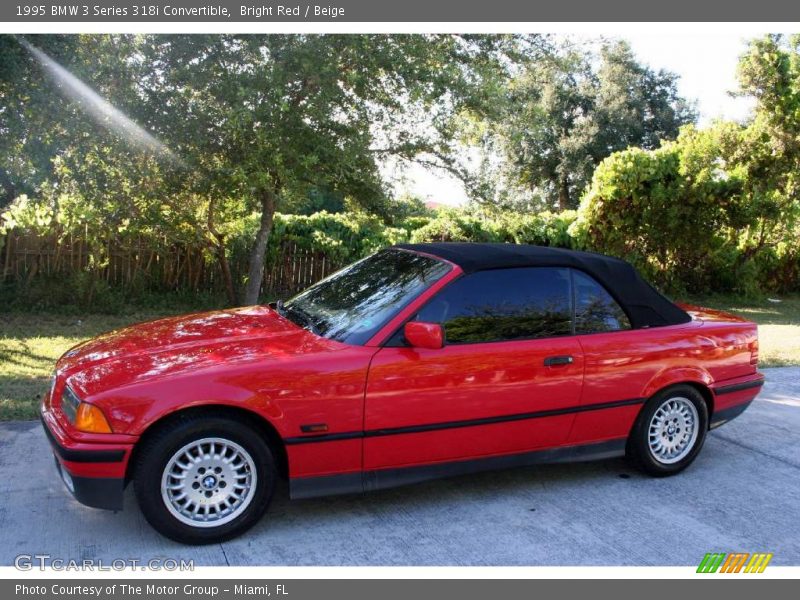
<point x="307" y="319"/>
<point x="279" y="308"/>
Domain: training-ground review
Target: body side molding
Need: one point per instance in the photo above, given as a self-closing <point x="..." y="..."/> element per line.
<point x="331" y="437"/>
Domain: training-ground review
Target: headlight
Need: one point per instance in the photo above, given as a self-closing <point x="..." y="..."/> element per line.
<point x="86" y="417"/>
<point x="69" y="404"/>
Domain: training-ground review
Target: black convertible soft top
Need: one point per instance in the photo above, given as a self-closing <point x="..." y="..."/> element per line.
<point x="643" y="304"/>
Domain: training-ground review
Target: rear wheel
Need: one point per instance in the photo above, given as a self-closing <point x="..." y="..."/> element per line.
<point x="670" y="431"/>
<point x="204" y="479"/>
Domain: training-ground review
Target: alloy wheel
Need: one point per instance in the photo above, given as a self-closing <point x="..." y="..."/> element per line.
<point x="209" y="482"/>
<point x="673" y="430"/>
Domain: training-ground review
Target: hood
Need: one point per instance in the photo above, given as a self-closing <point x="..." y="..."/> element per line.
<point x="185" y="343"/>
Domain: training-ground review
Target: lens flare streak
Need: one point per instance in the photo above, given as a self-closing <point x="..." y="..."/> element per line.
<point x="100" y="109"/>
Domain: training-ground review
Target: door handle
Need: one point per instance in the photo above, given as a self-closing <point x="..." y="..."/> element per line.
<point x="555" y="361"/>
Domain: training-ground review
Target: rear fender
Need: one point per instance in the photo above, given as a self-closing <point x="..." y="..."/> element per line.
<point x="672" y="376"/>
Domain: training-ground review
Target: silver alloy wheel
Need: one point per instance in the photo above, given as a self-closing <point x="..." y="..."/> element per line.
<point x="209" y="482"/>
<point x="673" y="430"/>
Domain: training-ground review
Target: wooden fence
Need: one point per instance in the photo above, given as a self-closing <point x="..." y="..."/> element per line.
<point x="135" y="262"/>
<point x="296" y="268"/>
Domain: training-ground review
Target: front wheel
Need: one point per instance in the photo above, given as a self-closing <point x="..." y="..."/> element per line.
<point x="204" y="479"/>
<point x="670" y="431"/>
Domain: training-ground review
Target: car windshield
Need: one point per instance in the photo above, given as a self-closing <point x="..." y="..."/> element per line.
<point x="353" y="304"/>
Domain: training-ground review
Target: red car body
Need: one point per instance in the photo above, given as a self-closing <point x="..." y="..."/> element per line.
<point x="350" y="418"/>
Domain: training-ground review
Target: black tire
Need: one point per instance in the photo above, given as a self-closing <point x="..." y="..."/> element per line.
<point x="157" y="452"/>
<point x="639" y="449"/>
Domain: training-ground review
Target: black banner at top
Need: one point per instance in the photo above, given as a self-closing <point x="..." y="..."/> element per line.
<point x="265" y="11"/>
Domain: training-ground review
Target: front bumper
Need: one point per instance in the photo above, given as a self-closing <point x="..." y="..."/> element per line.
<point x="97" y="492"/>
<point x="93" y="473"/>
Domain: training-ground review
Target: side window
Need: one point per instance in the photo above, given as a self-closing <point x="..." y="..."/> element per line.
<point x="595" y="309"/>
<point x="504" y="304"/>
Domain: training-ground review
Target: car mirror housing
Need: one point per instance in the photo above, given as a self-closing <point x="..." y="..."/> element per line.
<point x="424" y="335"/>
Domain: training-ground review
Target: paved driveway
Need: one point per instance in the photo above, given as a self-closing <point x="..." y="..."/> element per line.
<point x="742" y="494"/>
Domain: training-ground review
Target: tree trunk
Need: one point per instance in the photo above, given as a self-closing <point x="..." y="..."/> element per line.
<point x="563" y="193"/>
<point x="255" y="274"/>
<point x="9" y="189"/>
<point x="227" y="279"/>
<point x="218" y="244"/>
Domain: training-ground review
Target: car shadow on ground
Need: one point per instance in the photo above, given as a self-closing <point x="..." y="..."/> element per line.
<point x="443" y="498"/>
<point x="600" y="513"/>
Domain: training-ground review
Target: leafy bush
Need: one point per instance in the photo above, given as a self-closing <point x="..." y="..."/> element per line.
<point x="488" y="225"/>
<point x="683" y="214"/>
<point x="688" y="217"/>
<point x="344" y="237"/>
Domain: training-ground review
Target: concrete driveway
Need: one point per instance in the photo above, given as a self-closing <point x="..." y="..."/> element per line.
<point x="742" y="494"/>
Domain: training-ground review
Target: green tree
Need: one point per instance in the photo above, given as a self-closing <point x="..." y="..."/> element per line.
<point x="34" y="123"/>
<point x="562" y="116"/>
<point x="767" y="154"/>
<point x="87" y="171"/>
<point x="720" y="207"/>
<point x="254" y="123"/>
<point x="266" y="118"/>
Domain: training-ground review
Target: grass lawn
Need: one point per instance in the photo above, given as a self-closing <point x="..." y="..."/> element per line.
<point x="29" y="346"/>
<point x="778" y="326"/>
<point x="31" y="343"/>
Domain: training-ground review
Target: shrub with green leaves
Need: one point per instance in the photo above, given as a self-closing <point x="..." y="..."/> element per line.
<point x="344" y="237"/>
<point x="662" y="210"/>
<point x="693" y="215"/>
<point x="485" y="224"/>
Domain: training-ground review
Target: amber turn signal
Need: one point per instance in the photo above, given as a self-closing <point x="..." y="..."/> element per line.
<point x="91" y="419"/>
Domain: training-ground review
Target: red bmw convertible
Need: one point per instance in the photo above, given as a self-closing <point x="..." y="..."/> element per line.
<point x="421" y="361"/>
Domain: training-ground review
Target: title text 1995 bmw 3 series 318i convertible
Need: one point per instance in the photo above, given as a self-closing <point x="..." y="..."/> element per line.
<point x="421" y="361"/>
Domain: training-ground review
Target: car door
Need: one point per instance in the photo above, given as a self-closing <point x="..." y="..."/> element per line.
<point x="509" y="368"/>
<point x="616" y="360"/>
